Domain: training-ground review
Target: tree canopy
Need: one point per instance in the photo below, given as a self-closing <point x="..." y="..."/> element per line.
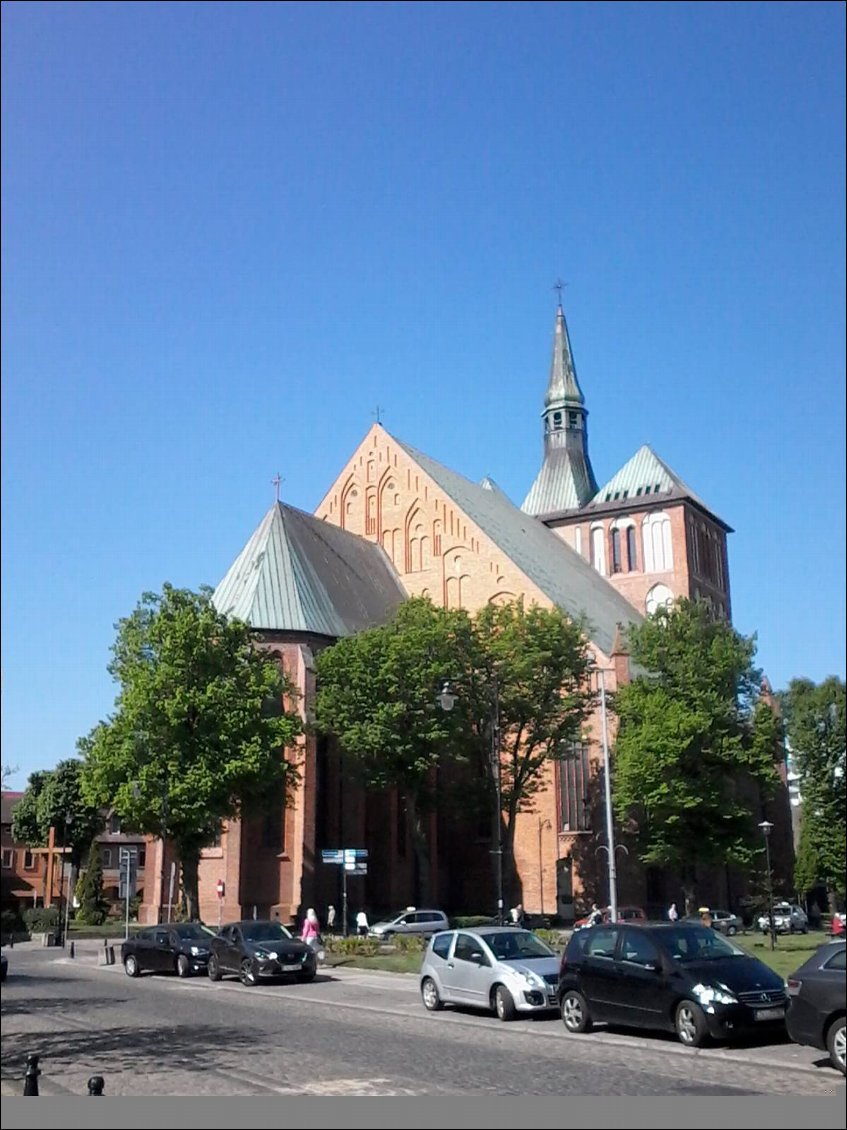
<point x="202" y="719"/>
<point x="815" y="728"/>
<point x="54" y="798"/>
<point x="695" y="742"/>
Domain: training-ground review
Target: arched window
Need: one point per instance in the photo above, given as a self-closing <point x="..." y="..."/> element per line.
<point x="659" y="596"/>
<point x="617" y="563"/>
<point x="598" y="549"/>
<point x="658" y="550"/>
<point x="631" y="553"/>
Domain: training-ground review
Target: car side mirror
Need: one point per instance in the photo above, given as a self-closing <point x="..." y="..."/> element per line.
<point x="478" y="959"/>
<point x="653" y="967"/>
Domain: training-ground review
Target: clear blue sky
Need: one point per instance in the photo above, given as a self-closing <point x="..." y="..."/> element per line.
<point x="231" y="230"/>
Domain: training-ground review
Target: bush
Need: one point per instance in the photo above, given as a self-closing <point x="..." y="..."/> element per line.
<point x="409" y="943"/>
<point x="93" y="907"/>
<point x="42" y="919"/>
<point x="361" y="947"/>
<point x="470" y="921"/>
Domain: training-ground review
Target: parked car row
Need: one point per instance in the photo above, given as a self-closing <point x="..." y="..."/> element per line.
<point x="252" y="951"/>
<point x="679" y="977"/>
<point x="788" y="918"/>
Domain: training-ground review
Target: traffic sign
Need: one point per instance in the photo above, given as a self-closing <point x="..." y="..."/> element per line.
<point x="356" y="868"/>
<point x="352" y="854"/>
<point x="331" y="856"/>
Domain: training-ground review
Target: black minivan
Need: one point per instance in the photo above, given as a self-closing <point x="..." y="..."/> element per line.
<point x="679" y="977"/>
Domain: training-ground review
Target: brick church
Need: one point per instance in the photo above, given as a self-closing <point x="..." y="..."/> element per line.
<point x="396" y="523"/>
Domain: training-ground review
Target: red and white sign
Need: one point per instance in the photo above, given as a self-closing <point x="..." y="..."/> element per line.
<point x="221" y="888"/>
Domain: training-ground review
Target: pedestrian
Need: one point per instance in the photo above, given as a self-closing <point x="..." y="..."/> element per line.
<point x="362" y="924"/>
<point x="311" y="931"/>
<point x="705" y="916"/>
<point x="596" y="915"/>
<point x="330" y="918"/>
<point x="673" y="913"/>
<point x="520" y="917"/>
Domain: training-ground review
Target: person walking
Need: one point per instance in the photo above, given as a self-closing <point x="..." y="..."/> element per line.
<point x="330" y="918"/>
<point x="673" y="913"/>
<point x="362" y="924"/>
<point x="311" y="931"/>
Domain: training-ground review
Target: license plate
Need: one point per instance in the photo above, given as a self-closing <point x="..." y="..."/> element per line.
<point x="290" y="968"/>
<point x="770" y="1014"/>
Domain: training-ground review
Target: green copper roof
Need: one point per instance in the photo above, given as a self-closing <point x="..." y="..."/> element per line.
<point x="645" y="478"/>
<point x="565" y="577"/>
<point x="565" y="482"/>
<point x="300" y="574"/>
<point x="562" y="387"/>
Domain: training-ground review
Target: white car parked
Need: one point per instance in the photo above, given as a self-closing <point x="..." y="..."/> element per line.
<point x="788" y="918"/>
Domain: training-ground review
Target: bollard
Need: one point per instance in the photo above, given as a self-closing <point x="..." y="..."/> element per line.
<point x="73" y="951"/>
<point x="96" y="1085"/>
<point x="31" y="1077"/>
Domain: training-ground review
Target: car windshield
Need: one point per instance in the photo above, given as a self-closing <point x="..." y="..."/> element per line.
<point x="698" y="943"/>
<point x="266" y="932"/>
<point x="517" y="945"/>
<point x="193" y="930"/>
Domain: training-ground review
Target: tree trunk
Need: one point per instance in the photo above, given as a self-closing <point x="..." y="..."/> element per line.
<point x="420" y="843"/>
<point x="189" y="856"/>
<point x="689" y="891"/>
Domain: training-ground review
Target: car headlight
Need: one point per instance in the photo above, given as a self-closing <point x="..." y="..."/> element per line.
<point x="714" y="994"/>
<point x="531" y="978"/>
<point x="195" y="951"/>
<point x="266" y="955"/>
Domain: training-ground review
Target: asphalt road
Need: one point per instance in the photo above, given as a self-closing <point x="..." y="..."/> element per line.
<point x="351" y="1032"/>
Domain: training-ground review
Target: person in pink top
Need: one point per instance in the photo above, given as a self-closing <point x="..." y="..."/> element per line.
<point x="311" y="927"/>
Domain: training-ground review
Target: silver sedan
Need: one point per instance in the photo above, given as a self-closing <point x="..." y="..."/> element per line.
<point x="496" y="968"/>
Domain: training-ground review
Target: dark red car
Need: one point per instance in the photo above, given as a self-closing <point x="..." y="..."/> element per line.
<point x="631" y="914"/>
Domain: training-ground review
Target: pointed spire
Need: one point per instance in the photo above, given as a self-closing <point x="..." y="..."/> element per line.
<point x="619" y="646"/>
<point x="563" y="387"/>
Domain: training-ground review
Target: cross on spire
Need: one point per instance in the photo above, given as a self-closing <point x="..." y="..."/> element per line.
<point x="559" y="286"/>
<point x="377" y="414"/>
<point x="276" y="481"/>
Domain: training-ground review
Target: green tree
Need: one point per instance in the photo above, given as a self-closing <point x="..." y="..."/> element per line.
<point x="519" y="672"/>
<point x="815" y="728"/>
<point x="694" y="742"/>
<point x="92" y="903"/>
<point x="201" y="723"/>
<point x="376" y="692"/>
<point x="54" y="798"/>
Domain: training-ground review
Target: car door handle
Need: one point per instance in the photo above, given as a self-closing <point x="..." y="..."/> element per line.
<point x="450" y="965"/>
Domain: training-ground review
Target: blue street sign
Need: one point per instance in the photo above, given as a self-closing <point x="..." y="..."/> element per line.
<point x="330" y="856"/>
<point x="351" y="854"/>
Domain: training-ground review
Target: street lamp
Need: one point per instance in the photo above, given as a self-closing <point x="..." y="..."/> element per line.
<point x="766" y="829"/>
<point x="447" y="700"/>
<point x="542" y="824"/>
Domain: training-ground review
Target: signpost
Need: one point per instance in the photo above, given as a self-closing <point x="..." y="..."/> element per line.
<point x="128" y="864"/>
<point x="221" y="890"/>
<point x="352" y="861"/>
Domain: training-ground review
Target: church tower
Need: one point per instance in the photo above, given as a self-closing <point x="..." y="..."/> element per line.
<point x="566" y="479"/>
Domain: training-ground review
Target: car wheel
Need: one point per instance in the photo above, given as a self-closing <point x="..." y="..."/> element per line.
<point x="247" y="973"/>
<point x="575" y="1015"/>
<point x="732" y="931"/>
<point x="183" y="966"/>
<point x="504" y="1005"/>
<point x="431" y="996"/>
<point x="835" y="1044"/>
<point x="690" y="1023"/>
<point x="214" y="969"/>
<point x="131" y="967"/>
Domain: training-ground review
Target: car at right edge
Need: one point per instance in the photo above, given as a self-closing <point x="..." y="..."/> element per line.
<point x="816" y="1013"/>
<point x="680" y="977"/>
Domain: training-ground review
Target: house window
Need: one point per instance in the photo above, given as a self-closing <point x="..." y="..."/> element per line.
<point x="273" y="830"/>
<point x="574" y="814"/>
<point x="106" y="856"/>
<point x="142" y="856"/>
<point x="114" y="825"/>
<point x="29" y="861"/>
<point x="8" y="857"/>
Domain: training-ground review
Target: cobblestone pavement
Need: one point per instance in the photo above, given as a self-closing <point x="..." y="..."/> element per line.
<point x="351" y="1032"/>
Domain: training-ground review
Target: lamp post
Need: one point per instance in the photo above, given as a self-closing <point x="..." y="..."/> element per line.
<point x="447" y="699"/>
<point x="542" y="824"/>
<point x="607" y="781"/>
<point x="66" y="820"/>
<point x="766" y="829"/>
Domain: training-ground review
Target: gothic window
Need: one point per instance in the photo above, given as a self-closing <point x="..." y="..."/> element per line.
<point x="598" y="549"/>
<point x="616" y="551"/>
<point x="659" y="596"/>
<point x="631" y="553"/>
<point x="658" y="550"/>
<point x="574" y="802"/>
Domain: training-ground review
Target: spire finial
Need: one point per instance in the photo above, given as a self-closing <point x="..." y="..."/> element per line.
<point x="276" y="481"/>
<point x="377" y="414"/>
<point x="559" y="286"/>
